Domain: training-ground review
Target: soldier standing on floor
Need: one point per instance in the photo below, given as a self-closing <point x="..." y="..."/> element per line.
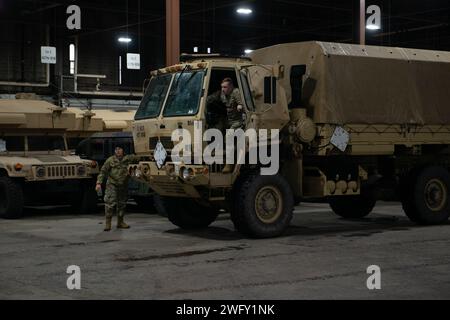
<point x="115" y="170"/>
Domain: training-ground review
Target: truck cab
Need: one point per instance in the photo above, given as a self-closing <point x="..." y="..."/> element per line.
<point x="176" y="99"/>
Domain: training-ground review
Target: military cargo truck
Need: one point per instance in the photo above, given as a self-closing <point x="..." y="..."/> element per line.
<point x="35" y="164"/>
<point x="357" y="124"/>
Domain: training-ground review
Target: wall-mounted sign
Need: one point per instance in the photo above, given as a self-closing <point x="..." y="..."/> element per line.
<point x="133" y="61"/>
<point x="48" y="55"/>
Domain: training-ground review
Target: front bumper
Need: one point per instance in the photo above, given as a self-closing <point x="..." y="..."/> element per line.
<point x="170" y="181"/>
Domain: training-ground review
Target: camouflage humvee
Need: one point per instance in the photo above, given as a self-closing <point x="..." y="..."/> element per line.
<point x="36" y="166"/>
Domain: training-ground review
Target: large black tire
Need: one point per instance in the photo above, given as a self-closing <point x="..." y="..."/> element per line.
<point x="160" y="205"/>
<point x="11" y="198"/>
<point x="262" y="206"/>
<point x="186" y="213"/>
<point x="352" y="207"/>
<point x="426" y="195"/>
<point x="86" y="200"/>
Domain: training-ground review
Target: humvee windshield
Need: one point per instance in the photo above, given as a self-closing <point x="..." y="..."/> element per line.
<point x="46" y="143"/>
<point x="183" y="98"/>
<point x="12" y="144"/>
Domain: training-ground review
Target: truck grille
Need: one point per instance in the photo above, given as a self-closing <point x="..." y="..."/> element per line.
<point x="61" y="171"/>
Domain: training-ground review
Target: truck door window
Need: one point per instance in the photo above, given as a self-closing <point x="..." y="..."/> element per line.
<point x="98" y="149"/>
<point x="46" y="143"/>
<point x="185" y="93"/>
<point x="247" y="92"/>
<point x="216" y="112"/>
<point x="154" y="97"/>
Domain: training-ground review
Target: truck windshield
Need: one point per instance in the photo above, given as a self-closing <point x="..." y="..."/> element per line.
<point x="185" y="93"/>
<point x="153" y="100"/>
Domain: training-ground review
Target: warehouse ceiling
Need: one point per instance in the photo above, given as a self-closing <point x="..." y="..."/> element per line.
<point x="213" y="24"/>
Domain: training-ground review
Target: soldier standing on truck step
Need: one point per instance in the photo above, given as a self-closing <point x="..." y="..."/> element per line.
<point x="115" y="170"/>
<point x="230" y="97"/>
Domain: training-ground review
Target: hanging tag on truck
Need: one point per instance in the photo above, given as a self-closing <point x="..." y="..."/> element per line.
<point x="340" y="138"/>
<point x="160" y="154"/>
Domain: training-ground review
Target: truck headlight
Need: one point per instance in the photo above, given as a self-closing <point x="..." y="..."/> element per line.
<point x="40" y="172"/>
<point x="187" y="173"/>
<point x="137" y="173"/>
<point x="81" y="170"/>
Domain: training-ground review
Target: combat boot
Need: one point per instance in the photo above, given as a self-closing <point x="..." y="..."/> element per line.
<point x="107" y="224"/>
<point x="228" y="168"/>
<point x="121" y="224"/>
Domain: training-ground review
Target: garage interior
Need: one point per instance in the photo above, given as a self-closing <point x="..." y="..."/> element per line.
<point x="319" y="257"/>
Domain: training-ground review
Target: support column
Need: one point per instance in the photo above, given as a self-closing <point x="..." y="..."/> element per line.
<point x="362" y="22"/>
<point x="172" y="32"/>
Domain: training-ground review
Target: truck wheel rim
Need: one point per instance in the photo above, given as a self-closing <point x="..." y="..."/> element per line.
<point x="436" y="195"/>
<point x="268" y="204"/>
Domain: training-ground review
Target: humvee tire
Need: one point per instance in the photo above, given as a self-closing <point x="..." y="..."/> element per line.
<point x="186" y="213"/>
<point x="11" y="198"/>
<point x="426" y="195"/>
<point x="352" y="207"/>
<point x="262" y="206"/>
<point x="85" y="201"/>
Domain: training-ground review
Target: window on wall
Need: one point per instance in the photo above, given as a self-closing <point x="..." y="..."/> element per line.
<point x="72" y="58"/>
<point x="120" y="70"/>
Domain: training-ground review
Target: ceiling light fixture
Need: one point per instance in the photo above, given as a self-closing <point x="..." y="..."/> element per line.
<point x="245" y="11"/>
<point x="124" y="40"/>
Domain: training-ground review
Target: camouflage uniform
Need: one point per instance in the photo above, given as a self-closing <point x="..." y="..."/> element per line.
<point x="230" y="118"/>
<point x="116" y="193"/>
<point x="233" y="116"/>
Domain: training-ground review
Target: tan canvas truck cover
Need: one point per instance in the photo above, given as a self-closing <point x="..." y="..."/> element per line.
<point x="34" y="114"/>
<point x="347" y="83"/>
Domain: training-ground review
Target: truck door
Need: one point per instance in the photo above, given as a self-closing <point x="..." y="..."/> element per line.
<point x="264" y="97"/>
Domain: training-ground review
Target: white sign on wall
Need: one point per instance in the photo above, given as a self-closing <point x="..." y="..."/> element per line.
<point x="48" y="55"/>
<point x="133" y="61"/>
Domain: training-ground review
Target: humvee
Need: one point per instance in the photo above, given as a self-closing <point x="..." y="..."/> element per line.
<point x="356" y="124"/>
<point x="36" y="166"/>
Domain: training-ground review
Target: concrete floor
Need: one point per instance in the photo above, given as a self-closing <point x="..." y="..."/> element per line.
<point x="321" y="257"/>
